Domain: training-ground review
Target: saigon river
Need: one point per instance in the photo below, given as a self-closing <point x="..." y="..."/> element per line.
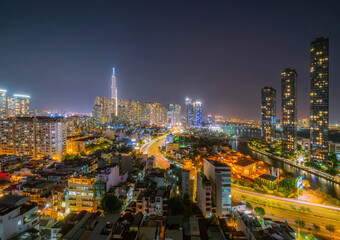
<point x="315" y="181"/>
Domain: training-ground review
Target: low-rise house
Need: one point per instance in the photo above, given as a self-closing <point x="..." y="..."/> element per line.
<point x="268" y="180"/>
<point x="153" y="202"/>
<point x="248" y="223"/>
<point x="81" y="193"/>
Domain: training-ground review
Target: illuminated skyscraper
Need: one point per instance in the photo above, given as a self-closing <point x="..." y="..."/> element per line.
<point x="319" y="98"/>
<point x="268" y="113"/>
<point x="103" y="110"/>
<point x="21" y="105"/>
<point x="154" y="113"/>
<point x="130" y="110"/>
<point x="114" y="93"/>
<point x="198" y="114"/>
<point x="289" y="109"/>
<point x="3" y="103"/>
<point x="174" y="114"/>
<point x="189" y="112"/>
<point x="38" y="136"/>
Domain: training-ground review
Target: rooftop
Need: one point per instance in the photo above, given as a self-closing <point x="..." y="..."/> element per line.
<point x="244" y="163"/>
<point x="13" y="200"/>
<point x="268" y="177"/>
<point x="218" y="164"/>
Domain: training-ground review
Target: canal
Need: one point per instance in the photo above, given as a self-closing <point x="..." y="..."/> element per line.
<point x="315" y="181"/>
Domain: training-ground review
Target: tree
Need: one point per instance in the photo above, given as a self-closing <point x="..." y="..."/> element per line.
<point x="110" y="204"/>
<point x="260" y="211"/>
<point x="176" y="206"/>
<point x="333" y="160"/>
<point x="316" y="227"/>
<point x="331" y="229"/>
<point x="300" y="223"/>
<point x="212" y="220"/>
<point x="249" y="206"/>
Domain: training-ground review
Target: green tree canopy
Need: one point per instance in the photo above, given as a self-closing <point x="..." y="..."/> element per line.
<point x="176" y="206"/>
<point x="333" y="159"/>
<point x="260" y="211"/>
<point x="111" y="204"/>
<point x="249" y="206"/>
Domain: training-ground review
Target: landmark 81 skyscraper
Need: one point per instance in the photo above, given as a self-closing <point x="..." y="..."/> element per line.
<point x="114" y="93"/>
<point x="289" y="109"/>
<point x="319" y="98"/>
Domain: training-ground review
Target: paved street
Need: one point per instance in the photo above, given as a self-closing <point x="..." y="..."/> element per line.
<point x="151" y="148"/>
<point x="287" y="209"/>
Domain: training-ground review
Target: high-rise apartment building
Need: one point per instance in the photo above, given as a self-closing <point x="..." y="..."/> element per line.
<point x="3" y="103"/>
<point x="198" y="114"/>
<point x="319" y="99"/>
<point x="79" y="125"/>
<point x="103" y="110"/>
<point x="219" y="176"/>
<point x="130" y="110"/>
<point x="114" y="92"/>
<point x="174" y="114"/>
<point x="268" y="113"/>
<point x="154" y="113"/>
<point x="18" y="106"/>
<point x="289" y="109"/>
<point x="38" y="136"/>
<point x="189" y="112"/>
<point x="22" y="105"/>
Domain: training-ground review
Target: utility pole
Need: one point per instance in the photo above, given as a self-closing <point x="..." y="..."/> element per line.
<point x="299" y="236"/>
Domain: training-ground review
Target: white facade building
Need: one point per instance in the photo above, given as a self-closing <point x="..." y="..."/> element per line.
<point x="17" y="215"/>
<point x="220" y="177"/>
<point x="204" y="197"/>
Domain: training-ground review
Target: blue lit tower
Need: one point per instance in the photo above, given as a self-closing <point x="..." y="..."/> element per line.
<point x="198" y="114"/>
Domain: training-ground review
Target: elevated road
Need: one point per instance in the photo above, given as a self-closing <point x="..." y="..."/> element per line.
<point x="152" y="149"/>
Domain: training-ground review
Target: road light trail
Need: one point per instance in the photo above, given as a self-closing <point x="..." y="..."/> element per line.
<point x="152" y="149"/>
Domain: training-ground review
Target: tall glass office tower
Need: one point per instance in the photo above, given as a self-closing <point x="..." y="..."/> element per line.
<point x="198" y="114"/>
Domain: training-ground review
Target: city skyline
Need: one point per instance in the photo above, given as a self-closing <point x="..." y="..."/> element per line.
<point x="215" y="73"/>
<point x="169" y="120"/>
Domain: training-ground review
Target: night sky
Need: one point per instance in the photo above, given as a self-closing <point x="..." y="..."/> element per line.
<point x="220" y="52"/>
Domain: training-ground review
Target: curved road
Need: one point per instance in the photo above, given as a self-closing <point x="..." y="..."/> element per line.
<point x="304" y="203"/>
<point x="151" y="148"/>
<point x="276" y="207"/>
<point x="290" y="210"/>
